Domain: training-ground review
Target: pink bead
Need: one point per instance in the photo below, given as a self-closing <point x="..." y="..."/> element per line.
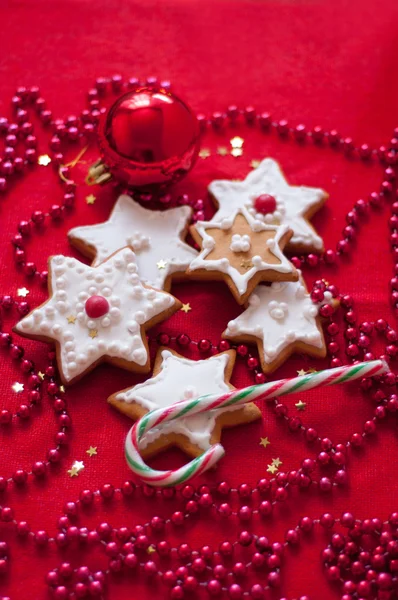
<point x="274" y="579"/>
<point x="226" y="549"/>
<point x="292" y="536"/>
<point x="245" y="538"/>
<point x="265" y="508"/>
<point x="235" y="591"/>
<point x="214" y="588"/>
<point x="39" y="469"/>
<point x="150" y="568"/>
<point x="107" y="491"/>
<point x="258" y="560"/>
<point x="325" y="484"/>
<point x="20" y="477"/>
<point x="41" y="538"/>
<point x="256" y="592"/>
<point x="306" y="524"/>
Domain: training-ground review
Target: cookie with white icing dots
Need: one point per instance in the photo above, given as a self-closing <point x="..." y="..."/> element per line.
<point x="266" y="195"/>
<point x="281" y="319"/>
<point x="97" y="314"/>
<point x="176" y="378"/>
<point x="243" y="251"/>
<point x="156" y="237"/>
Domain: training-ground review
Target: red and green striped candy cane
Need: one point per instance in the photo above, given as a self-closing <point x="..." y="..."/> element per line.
<point x="210" y="457"/>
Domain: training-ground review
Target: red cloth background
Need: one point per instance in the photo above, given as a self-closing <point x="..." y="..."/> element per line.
<point x="312" y="61"/>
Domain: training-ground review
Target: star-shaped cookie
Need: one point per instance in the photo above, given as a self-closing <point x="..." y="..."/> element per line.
<point x="282" y="319"/>
<point x="155" y="236"/>
<point x="287" y="204"/>
<point x="242" y="251"/>
<point x="174" y="379"/>
<point x="97" y="314"/>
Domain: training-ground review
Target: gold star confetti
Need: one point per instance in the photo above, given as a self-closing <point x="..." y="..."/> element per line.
<point x="151" y="549"/>
<point x="71" y="319"/>
<point x="17" y="387"/>
<point x="236" y="142"/>
<point x="276" y="462"/>
<point x="92" y="451"/>
<point x="90" y="199"/>
<point x="44" y="160"/>
<point x="22" y="292"/>
<point x="301" y="372"/>
<point x="186" y="307"/>
<point x="272" y="469"/>
<point x="312" y="370"/>
<point x="237" y="152"/>
<point x="246" y="264"/>
<point x="300" y="405"/>
<point x="73" y="472"/>
<point x="62" y="389"/>
<point x="326" y="282"/>
<point x="161" y="264"/>
<point x="255" y="163"/>
<point x="222" y="151"/>
<point x="78" y="465"/>
<point x="41" y="375"/>
<point x="204" y="153"/>
<point x="93" y="333"/>
<point x="264" y="442"/>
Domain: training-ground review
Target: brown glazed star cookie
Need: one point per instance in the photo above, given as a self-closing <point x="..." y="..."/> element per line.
<point x="243" y="252"/>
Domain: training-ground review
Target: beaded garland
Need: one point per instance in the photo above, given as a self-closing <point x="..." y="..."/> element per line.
<point x="347" y="560"/>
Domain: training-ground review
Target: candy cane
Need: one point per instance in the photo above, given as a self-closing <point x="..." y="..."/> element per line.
<point x="265" y="391"/>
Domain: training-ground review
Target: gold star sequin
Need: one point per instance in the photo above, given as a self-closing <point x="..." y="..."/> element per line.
<point x="22" y="292"/>
<point x="41" y="375"/>
<point x="312" y="370"/>
<point x="90" y="199"/>
<point x="78" y="465"/>
<point x="222" y="151"/>
<point x="62" y="389"/>
<point x="236" y="142"/>
<point x="73" y="472"/>
<point x="204" y="153"/>
<point x="44" y="160"/>
<point x="186" y="307"/>
<point x="237" y="152"/>
<point x="300" y="405"/>
<point x="17" y="387"/>
<point x="246" y="264"/>
<point x="93" y="333"/>
<point x="76" y="468"/>
<point x="161" y="264"/>
<point x="151" y="549"/>
<point x="255" y="163"/>
<point x="264" y="442"/>
<point x="92" y="451"/>
<point x="301" y="372"/>
<point x="276" y="462"/>
<point x="272" y="469"/>
<point x="71" y="319"/>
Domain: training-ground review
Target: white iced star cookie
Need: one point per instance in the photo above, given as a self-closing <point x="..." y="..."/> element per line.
<point x="266" y="188"/>
<point x="97" y="314"/>
<point x="281" y="319"/>
<point x="155" y="236"/>
<point x="176" y="378"/>
<point x="242" y="251"/>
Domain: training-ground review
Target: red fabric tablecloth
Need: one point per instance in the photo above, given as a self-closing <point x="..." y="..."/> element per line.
<point x="317" y="62"/>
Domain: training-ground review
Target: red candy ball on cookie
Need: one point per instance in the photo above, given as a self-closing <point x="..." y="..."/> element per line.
<point x="96" y="307"/>
<point x="265" y="203"/>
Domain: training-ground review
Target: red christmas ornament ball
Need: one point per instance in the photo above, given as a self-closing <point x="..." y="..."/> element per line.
<point x="96" y="307"/>
<point x="149" y="137"/>
<point x="265" y="203"/>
